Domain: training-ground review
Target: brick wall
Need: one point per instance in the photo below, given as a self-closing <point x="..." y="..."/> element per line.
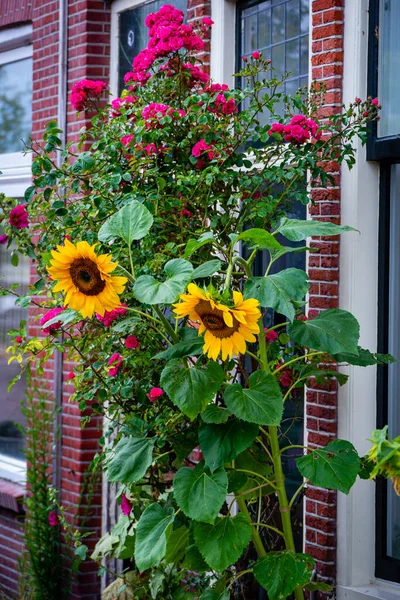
<point x="323" y="269"/>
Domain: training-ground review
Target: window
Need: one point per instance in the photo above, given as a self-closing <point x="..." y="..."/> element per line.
<point x="131" y="33"/>
<point x="384" y="145"/>
<point x="278" y="28"/>
<point x="15" y="128"/>
<point x="15" y="108"/>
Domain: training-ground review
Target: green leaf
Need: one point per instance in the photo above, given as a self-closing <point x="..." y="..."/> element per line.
<point x="177" y="543"/>
<point x="365" y="358"/>
<point x="194" y="560"/>
<point x="223" y="543"/>
<point x="192" y="347"/>
<point x="260" y="239"/>
<point x="131" y="222"/>
<point x="199" y="493"/>
<point x="222" y="443"/>
<point x="335" y="466"/>
<point x="14" y="259"/>
<point x="81" y="551"/>
<point x="280" y="573"/>
<point x="66" y="317"/>
<point x="150" y="291"/>
<point x="193" y="245"/>
<point x="151" y="541"/>
<point x="132" y="457"/>
<point x="215" y="414"/>
<point x="207" y="269"/>
<point x="212" y="594"/>
<point x="104" y="546"/>
<point x="261" y="403"/>
<point x="279" y="290"/>
<point x="23" y="301"/>
<point x="333" y="331"/>
<point x="191" y="388"/>
<point x="296" y="230"/>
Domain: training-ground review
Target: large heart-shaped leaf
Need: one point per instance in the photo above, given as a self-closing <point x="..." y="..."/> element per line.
<point x="132" y="457"/>
<point x="365" y="358"/>
<point x="215" y="414"/>
<point x="199" y="493"/>
<point x="207" y="269"/>
<point x="222" y="543"/>
<point x="280" y="573"/>
<point x="193" y="245"/>
<point x="335" y="466"/>
<point x="150" y="291"/>
<point x="259" y="238"/>
<point x="279" y="290"/>
<point x="260" y="403"/>
<point x="333" y="331"/>
<point x="131" y="222"/>
<point x="296" y="230"/>
<point x="191" y="388"/>
<point x="223" y="443"/>
<point x="191" y="347"/>
<point x="151" y="541"/>
<point x="177" y="542"/>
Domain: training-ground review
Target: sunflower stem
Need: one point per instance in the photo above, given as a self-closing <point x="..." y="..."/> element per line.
<point x="131" y="262"/>
<point x="166" y="324"/>
<point x="228" y="276"/>
<point x="279" y="477"/>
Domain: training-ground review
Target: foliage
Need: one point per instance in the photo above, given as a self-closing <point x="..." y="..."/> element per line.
<point x="173" y="190"/>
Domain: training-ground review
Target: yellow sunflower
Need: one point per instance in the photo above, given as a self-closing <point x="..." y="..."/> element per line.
<point x="85" y="278"/>
<point x="226" y="329"/>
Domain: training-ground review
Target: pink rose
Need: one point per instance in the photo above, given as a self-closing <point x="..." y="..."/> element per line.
<point x="132" y="342"/>
<point x="111" y="315"/>
<point x="375" y="102"/>
<point x="126" y="505"/>
<point x="256" y="55"/>
<point x="71" y="375"/>
<point x="53" y="312"/>
<point x="3" y="239"/>
<point x="114" y="363"/>
<point x="154" y="394"/>
<point x="18" y="339"/>
<point x="207" y="21"/>
<point x="19" y="217"/>
<point x="270" y="336"/>
<point x="53" y="519"/>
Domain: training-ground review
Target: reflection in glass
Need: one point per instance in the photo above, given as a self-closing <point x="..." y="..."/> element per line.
<point x="133" y="34"/>
<point x="15" y="105"/>
<point x="280" y="30"/>
<point x="393" y="501"/>
<point x="11" y="438"/>
<point x="389" y="68"/>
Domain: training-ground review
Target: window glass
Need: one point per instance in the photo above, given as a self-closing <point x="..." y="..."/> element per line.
<point x="11" y="438"/>
<point x="133" y="34"/>
<point x="393" y="502"/>
<point x="278" y="28"/>
<point x="15" y="104"/>
<point x="389" y="67"/>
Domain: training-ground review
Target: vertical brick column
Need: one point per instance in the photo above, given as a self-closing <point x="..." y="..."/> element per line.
<point x="196" y="9"/>
<point x="323" y="269"/>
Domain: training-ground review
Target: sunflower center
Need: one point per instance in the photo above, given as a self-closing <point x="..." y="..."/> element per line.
<point x="87" y="277"/>
<point x="213" y="320"/>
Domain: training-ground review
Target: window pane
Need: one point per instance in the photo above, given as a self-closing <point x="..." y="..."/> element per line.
<point x="280" y="30"/>
<point x="389" y="68"/>
<point x="15" y="105"/>
<point x="292" y="19"/>
<point x="278" y="23"/>
<point x="393" y="502"/>
<point x="133" y="34"/>
<point x="11" y="439"/>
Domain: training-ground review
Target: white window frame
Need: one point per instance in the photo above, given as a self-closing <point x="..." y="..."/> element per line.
<point x="358" y="293"/>
<point x="15" y="44"/>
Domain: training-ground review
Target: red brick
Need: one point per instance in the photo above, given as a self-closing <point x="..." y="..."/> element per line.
<point x="325" y="4"/>
<point x="326" y="525"/>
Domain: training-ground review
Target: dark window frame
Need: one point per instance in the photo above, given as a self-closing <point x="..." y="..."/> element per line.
<point x="385" y="148"/>
<point x="387" y="152"/>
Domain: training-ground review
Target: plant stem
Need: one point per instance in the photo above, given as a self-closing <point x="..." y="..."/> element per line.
<point x="254" y="533"/>
<point x="228" y="276"/>
<point x="304" y="356"/>
<point x="279" y="477"/>
<point x="166" y="324"/>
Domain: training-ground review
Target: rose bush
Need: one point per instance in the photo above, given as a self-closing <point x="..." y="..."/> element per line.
<point x="145" y="241"/>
